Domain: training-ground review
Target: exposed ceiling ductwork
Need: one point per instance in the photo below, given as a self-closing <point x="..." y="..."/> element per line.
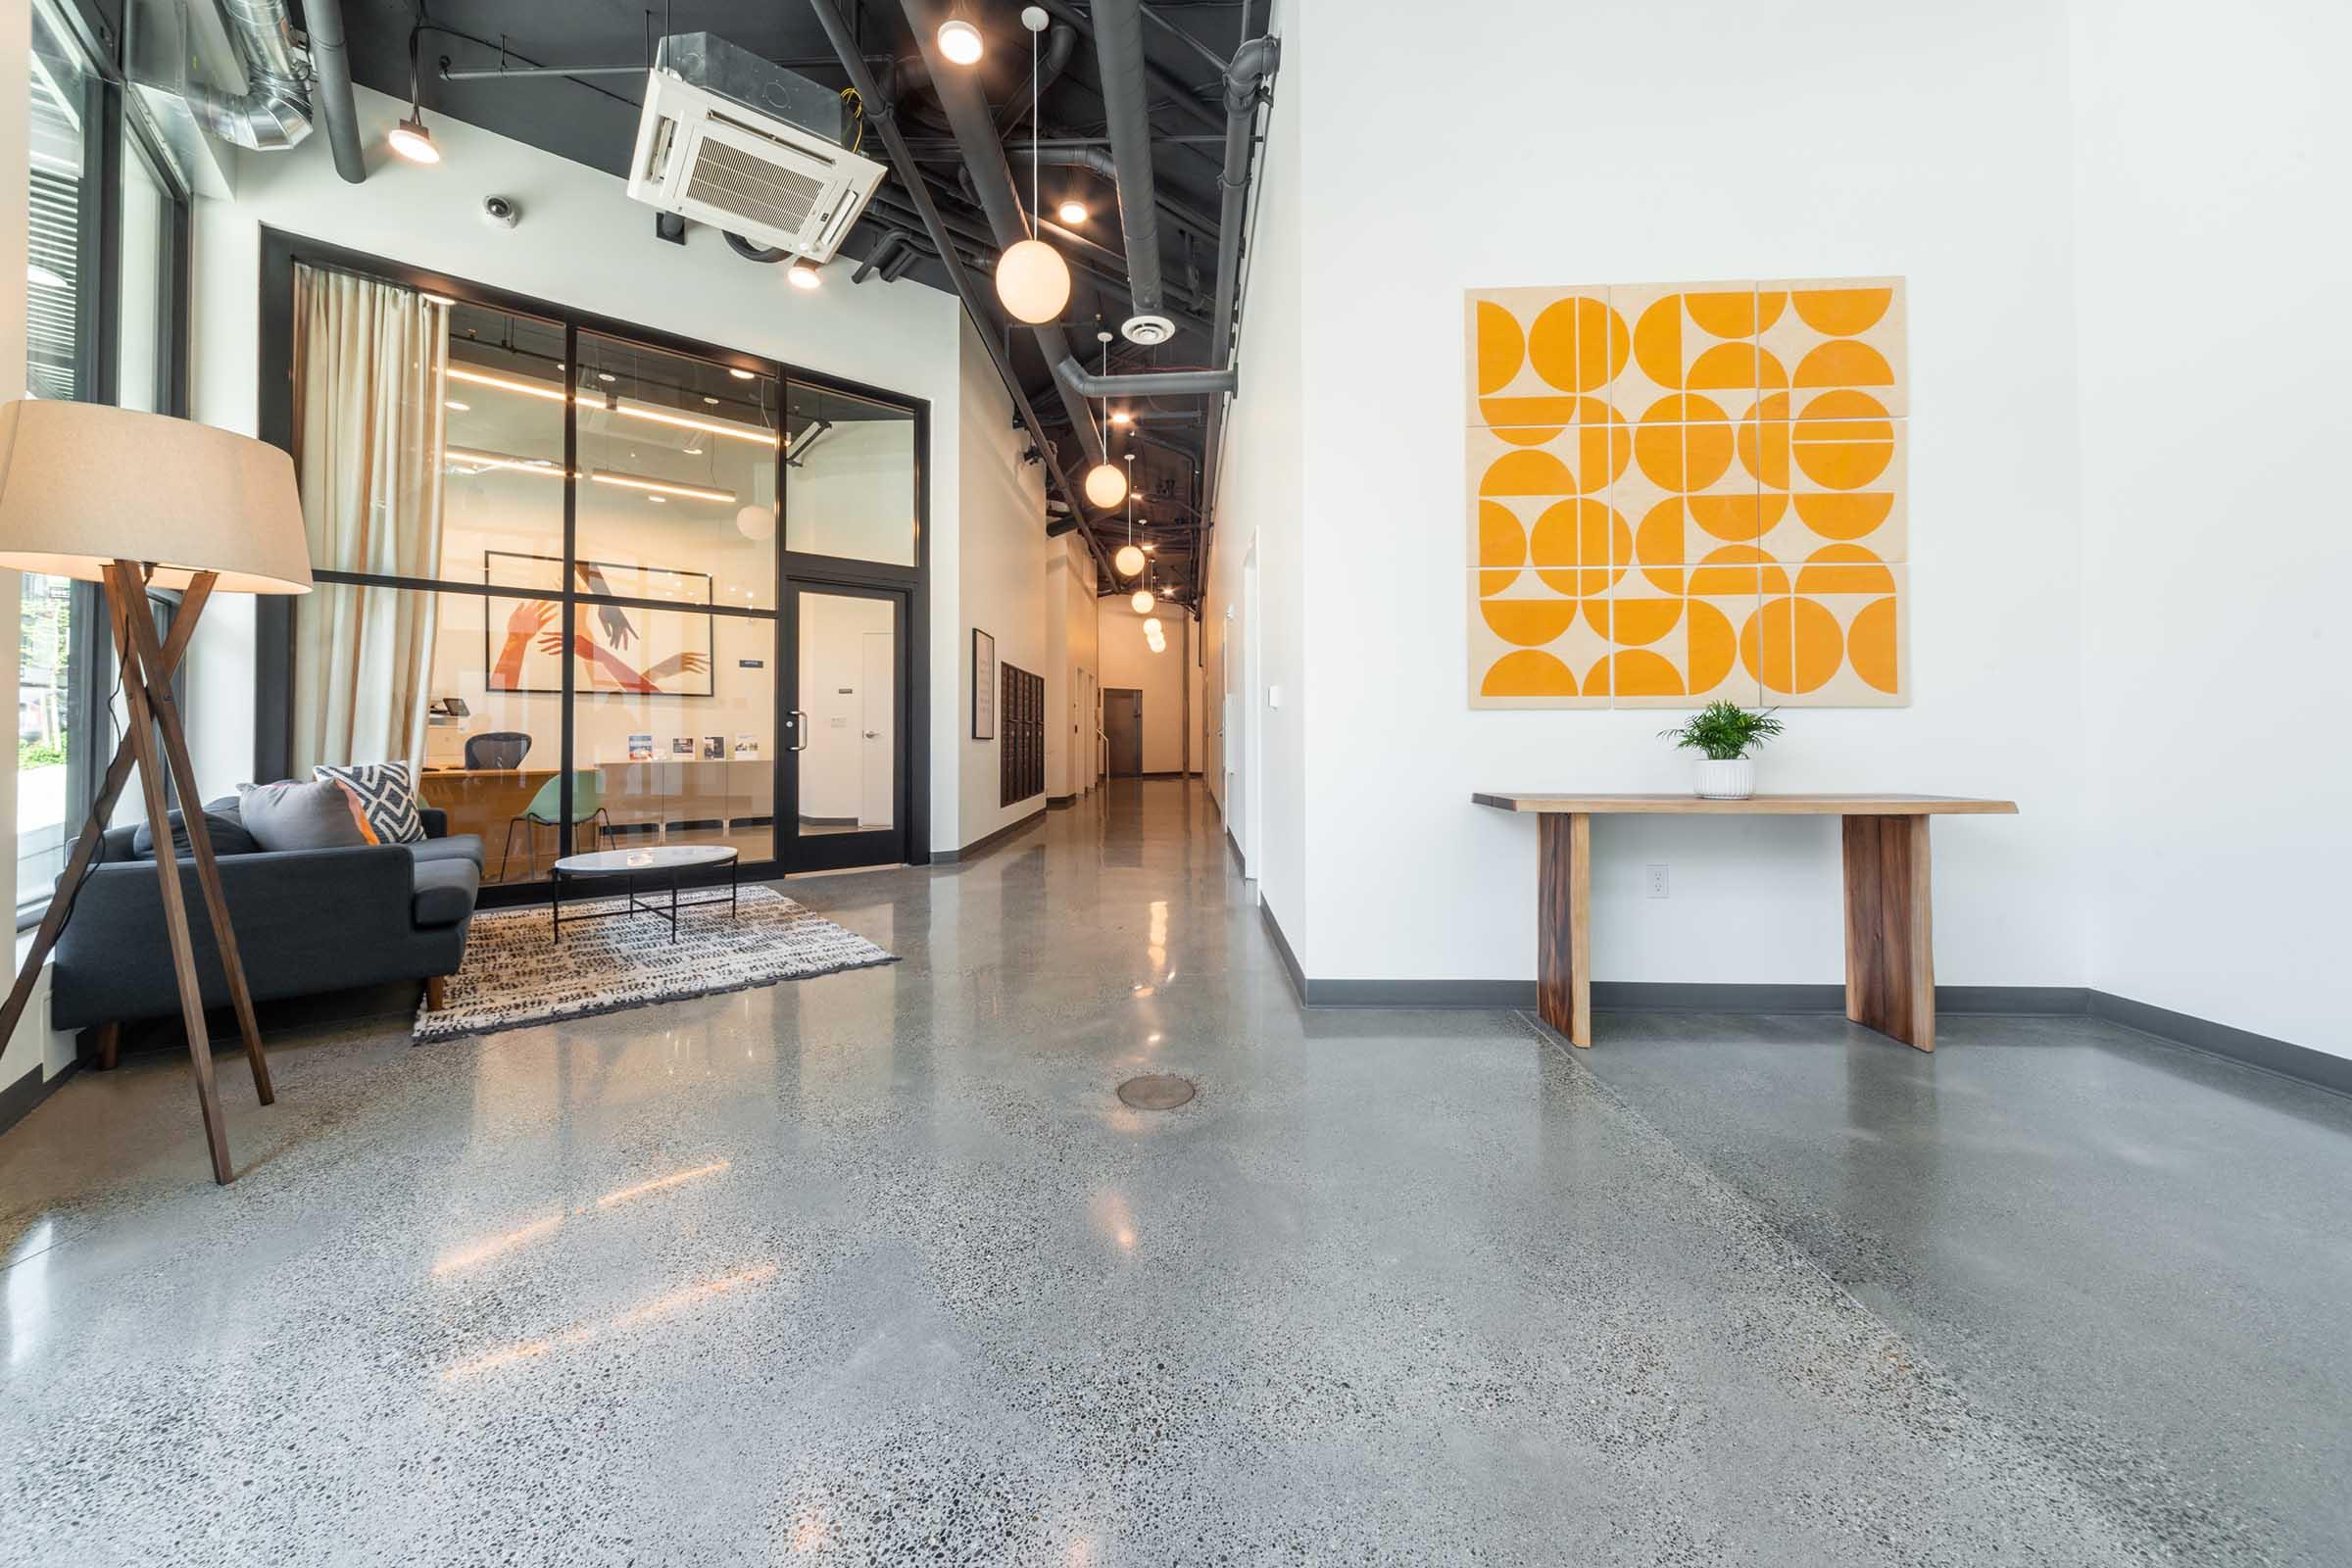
<point x="279" y="90"/>
<point x="1119" y="58"/>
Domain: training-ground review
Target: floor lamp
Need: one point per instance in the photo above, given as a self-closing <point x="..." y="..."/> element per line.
<point x="132" y="501"/>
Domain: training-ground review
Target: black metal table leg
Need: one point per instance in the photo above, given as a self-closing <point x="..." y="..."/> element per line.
<point x="673" y="906"/>
<point x="554" y="905"/>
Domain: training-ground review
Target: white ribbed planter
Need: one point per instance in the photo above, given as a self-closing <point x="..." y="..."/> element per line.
<point x="1735" y="780"/>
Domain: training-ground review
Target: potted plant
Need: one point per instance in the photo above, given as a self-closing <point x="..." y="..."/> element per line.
<point x="1724" y="733"/>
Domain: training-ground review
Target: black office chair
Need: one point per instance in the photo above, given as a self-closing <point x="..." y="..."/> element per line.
<point x="497" y="748"/>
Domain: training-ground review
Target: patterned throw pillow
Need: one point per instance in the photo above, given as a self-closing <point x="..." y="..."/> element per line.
<point x="382" y="797"/>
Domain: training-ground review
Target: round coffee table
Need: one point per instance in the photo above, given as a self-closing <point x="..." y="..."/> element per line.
<point x="672" y="860"/>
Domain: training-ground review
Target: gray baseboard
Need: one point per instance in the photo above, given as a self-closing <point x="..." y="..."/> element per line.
<point x="981" y="846"/>
<point x="1282" y="945"/>
<point x="2281" y="1057"/>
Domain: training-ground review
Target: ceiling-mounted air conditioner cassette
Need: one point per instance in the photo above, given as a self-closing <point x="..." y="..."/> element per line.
<point x="730" y="140"/>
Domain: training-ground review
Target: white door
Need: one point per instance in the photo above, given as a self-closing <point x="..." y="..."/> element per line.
<point x="877" y="764"/>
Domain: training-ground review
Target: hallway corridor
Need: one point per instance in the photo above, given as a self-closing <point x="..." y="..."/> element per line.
<point x="876" y="1268"/>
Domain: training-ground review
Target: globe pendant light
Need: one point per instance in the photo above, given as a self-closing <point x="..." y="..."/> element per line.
<point x="1129" y="561"/>
<point x="1141" y="599"/>
<point x="1033" y="281"/>
<point x="1106" y="485"/>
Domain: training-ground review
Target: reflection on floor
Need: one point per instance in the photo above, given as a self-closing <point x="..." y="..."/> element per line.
<point x="877" y="1267"/>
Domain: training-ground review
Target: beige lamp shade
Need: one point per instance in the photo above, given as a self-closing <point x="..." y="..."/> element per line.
<point x="83" y="486"/>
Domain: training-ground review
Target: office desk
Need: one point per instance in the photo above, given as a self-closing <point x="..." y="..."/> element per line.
<point x="482" y="800"/>
<point x="1890" y="960"/>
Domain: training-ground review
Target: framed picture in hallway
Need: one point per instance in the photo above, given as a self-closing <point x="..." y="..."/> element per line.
<point x="984" y="686"/>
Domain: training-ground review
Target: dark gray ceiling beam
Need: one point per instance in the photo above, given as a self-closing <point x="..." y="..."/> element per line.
<point x="882" y="112"/>
<point x="992" y="180"/>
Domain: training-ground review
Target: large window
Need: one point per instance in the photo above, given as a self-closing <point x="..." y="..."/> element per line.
<point x="100" y="196"/>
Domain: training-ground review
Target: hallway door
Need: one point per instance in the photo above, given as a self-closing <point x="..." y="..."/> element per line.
<point x="845" y="784"/>
<point x="1123" y="730"/>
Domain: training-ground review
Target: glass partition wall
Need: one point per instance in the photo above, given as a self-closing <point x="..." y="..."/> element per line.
<point x="568" y="571"/>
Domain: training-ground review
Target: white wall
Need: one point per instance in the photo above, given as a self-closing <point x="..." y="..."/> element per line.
<point x="583" y="244"/>
<point x="1070" y="628"/>
<point x="2210" y="205"/>
<point x="1128" y="661"/>
<point x="1261" y="478"/>
<point x="1638" y="155"/>
<point x="1003" y="582"/>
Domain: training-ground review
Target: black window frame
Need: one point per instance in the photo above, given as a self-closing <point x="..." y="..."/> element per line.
<point x="98" y="261"/>
<point x="281" y="251"/>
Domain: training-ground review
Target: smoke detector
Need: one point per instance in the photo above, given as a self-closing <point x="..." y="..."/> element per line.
<point x="1147" y="330"/>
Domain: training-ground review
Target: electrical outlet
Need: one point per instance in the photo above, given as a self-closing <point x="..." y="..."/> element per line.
<point x="1656" y="876"/>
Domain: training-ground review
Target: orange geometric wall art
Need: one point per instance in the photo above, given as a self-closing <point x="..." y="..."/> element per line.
<point x="1681" y="492"/>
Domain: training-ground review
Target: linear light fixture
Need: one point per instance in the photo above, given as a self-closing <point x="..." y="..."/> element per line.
<point x="682" y="422"/>
<point x="496" y="459"/>
<point x="663" y="487"/>
<point x="530" y="389"/>
<point x="591" y="399"/>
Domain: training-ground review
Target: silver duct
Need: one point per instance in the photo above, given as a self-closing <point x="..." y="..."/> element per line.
<point x="274" y="113"/>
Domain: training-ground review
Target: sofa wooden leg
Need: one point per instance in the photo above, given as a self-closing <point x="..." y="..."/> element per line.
<point x="109" y="1046"/>
<point x="436" y="992"/>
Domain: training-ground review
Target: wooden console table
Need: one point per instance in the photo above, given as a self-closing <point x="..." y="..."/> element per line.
<point x="1890" y="960"/>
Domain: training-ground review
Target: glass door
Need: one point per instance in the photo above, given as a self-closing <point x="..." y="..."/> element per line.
<point x="845" y="726"/>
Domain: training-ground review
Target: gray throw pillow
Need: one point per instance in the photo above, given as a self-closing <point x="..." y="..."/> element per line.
<point x="221" y="825"/>
<point x="298" y="816"/>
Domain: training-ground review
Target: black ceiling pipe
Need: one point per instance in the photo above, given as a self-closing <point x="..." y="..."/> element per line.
<point x="770" y="253"/>
<point x="1127" y="108"/>
<point x="1252" y="63"/>
<point x="1142" y="383"/>
<point x="1098" y="160"/>
<point x="1167" y="81"/>
<point x="885" y="251"/>
<point x="991" y="180"/>
<point x="880" y="111"/>
<point x="330" y="63"/>
<point x="1061" y="41"/>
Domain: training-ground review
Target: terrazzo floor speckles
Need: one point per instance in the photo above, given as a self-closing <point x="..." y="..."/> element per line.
<point x="874" y="1268"/>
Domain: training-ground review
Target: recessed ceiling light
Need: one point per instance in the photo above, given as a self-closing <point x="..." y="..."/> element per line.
<point x="414" y="142"/>
<point x="455" y="407"/>
<point x="1071" y="211"/>
<point x="740" y="375"/>
<point x="710" y="402"/>
<point x="1122" y="417"/>
<point x="606" y="375"/>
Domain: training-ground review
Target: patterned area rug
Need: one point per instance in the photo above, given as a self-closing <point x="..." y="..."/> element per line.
<point x="515" y="975"/>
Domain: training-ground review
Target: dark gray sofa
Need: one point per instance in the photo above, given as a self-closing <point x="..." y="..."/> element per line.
<point x="307" y="920"/>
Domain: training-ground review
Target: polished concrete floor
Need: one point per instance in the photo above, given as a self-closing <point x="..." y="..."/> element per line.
<point x="876" y="1268"/>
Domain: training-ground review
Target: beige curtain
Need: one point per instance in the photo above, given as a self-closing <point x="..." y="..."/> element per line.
<point x="370" y="363"/>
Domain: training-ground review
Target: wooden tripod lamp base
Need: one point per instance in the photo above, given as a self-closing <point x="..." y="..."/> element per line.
<point x="178" y="506"/>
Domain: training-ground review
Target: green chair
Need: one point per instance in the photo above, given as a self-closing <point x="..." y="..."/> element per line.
<point x="547" y="810"/>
